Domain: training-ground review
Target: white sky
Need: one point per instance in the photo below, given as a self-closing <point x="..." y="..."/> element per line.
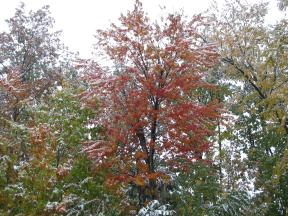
<point x="79" y="19"/>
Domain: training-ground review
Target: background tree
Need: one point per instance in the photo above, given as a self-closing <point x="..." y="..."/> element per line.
<point x="254" y="58"/>
<point x="30" y="58"/>
<point x="30" y="46"/>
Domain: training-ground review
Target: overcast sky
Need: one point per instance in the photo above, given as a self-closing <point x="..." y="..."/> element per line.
<point x="79" y="19"/>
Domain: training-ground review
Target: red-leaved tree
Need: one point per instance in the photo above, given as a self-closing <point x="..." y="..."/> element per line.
<point x="152" y="117"/>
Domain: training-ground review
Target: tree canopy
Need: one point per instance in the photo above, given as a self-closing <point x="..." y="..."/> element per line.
<point x="188" y="117"/>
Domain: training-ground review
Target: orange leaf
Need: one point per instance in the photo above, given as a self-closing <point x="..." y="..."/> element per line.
<point x="139" y="181"/>
<point x="140" y="155"/>
<point x="142" y="167"/>
<point x="153" y="176"/>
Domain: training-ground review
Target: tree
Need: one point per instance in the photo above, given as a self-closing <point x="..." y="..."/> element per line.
<point x="32" y="49"/>
<point x="30" y="46"/>
<point x="30" y="57"/>
<point x="254" y="57"/>
<point x="153" y="119"/>
<point x="58" y="177"/>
